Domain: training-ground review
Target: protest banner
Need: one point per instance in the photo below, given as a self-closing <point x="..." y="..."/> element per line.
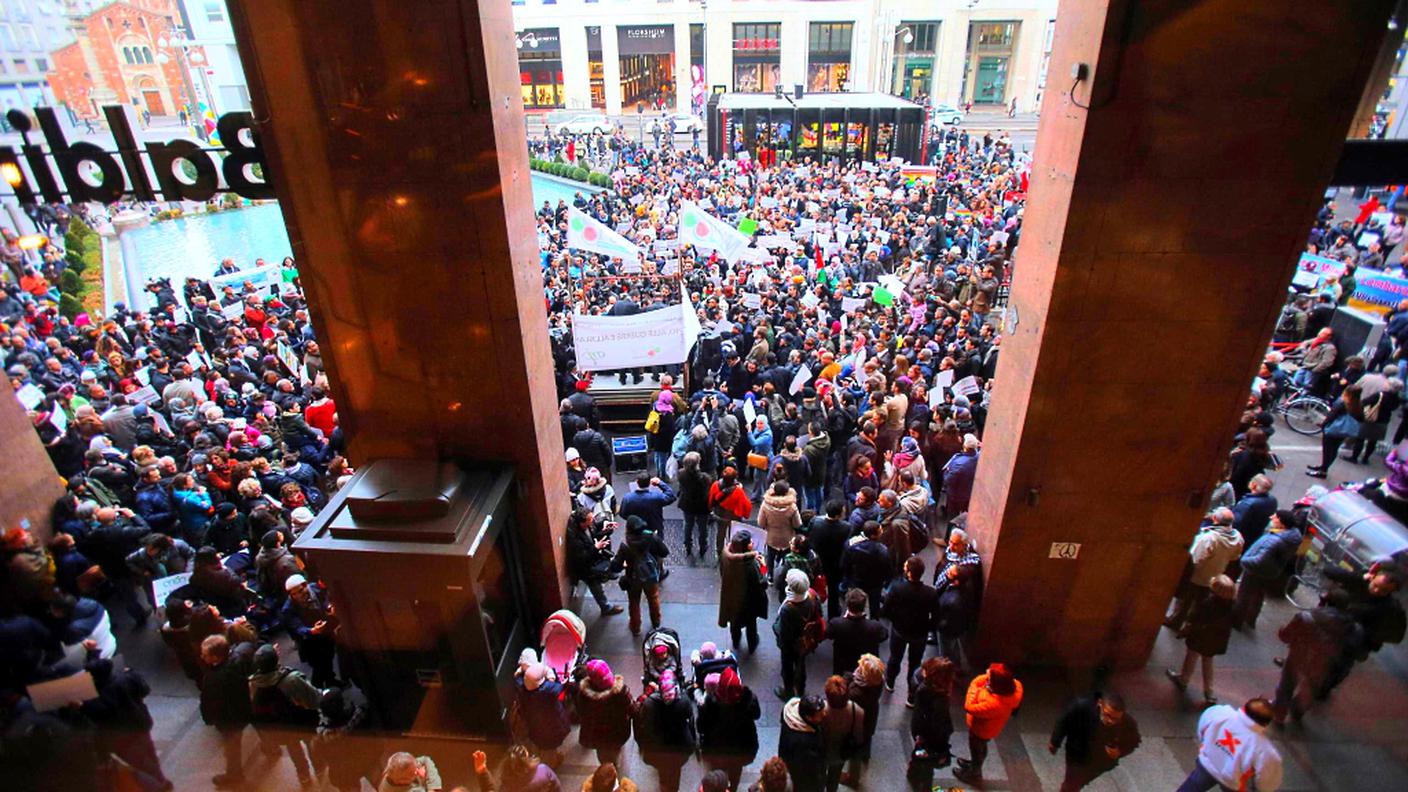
<point x="968" y="386"/>
<point x="1320" y="265"/>
<point x="649" y="338"/>
<point x="1377" y="291"/>
<point x="752" y="300"/>
<point x="259" y="277"/>
<point x="233" y="312"/>
<point x="849" y="304"/>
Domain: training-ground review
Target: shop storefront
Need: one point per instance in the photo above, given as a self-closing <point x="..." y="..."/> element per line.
<point x="757" y="56"/>
<point x="821" y="127"/>
<point x="647" y="66"/>
<point x="540" y="68"/>
<point x="914" y="61"/>
<point x="829" y="56"/>
<point x="595" y="71"/>
<point x="986" y="73"/>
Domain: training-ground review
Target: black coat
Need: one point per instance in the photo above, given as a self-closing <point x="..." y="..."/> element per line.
<point x="828" y="538"/>
<point x="224" y="693"/>
<point x="595" y="449"/>
<point x="866" y="564"/>
<point x="805" y="757"/>
<point x="584" y="561"/>
<point x="1086" y="737"/>
<point x="851" y="637"/>
<point x="931" y="725"/>
<point x="730" y="729"/>
<point x="694" y="491"/>
<point x="910" y="607"/>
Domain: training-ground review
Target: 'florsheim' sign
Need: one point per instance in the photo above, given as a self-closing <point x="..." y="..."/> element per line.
<point x="123" y="172"/>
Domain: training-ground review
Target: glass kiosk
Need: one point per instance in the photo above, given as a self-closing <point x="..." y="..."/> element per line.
<point x="421" y="563"/>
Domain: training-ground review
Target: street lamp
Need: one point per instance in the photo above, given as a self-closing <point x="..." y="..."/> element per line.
<point x="906" y="35"/>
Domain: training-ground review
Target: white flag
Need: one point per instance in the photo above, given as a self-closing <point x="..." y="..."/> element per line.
<point x="702" y="229"/>
<point x="804" y="375"/>
<point x="584" y="232"/>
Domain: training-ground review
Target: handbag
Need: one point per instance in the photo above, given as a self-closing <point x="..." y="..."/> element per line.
<point x="759" y="461"/>
<point x="652" y="422"/>
<point x="1341" y="427"/>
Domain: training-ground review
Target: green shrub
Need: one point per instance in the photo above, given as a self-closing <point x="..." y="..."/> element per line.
<point x="74" y="259"/>
<point x="580" y="174"/>
<point x="70" y="306"/>
<point x="232" y="201"/>
<point x="599" y="180"/>
<point x="94" y="259"/>
<point x="70" y="283"/>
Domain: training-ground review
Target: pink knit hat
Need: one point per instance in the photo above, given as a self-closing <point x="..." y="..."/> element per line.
<point x="599" y="674"/>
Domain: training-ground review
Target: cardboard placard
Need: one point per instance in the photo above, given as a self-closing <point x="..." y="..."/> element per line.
<point x="59" y="693"/>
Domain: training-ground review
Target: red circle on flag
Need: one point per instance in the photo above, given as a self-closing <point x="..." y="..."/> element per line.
<point x="589" y="234"/>
<point x="701" y="230"/>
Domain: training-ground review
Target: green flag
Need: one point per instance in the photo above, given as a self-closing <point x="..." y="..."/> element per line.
<point x="748" y="226"/>
<point x="882" y="296"/>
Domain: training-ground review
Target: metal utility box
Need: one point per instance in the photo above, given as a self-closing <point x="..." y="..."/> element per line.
<point x="1348" y="530"/>
<point x="420" y="560"/>
<point x="632" y="453"/>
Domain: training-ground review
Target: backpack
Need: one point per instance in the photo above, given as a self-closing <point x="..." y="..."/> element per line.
<point x="269" y="704"/>
<point x="814" y="629"/>
<point x="1287" y="324"/>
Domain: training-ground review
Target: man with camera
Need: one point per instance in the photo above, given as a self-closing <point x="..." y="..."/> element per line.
<point x="589" y="556"/>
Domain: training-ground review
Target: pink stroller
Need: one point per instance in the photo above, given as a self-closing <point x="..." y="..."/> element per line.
<point x="564" y="639"/>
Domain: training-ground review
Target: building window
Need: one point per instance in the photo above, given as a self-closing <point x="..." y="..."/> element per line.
<point x="146" y="55"/>
<point x="41" y="64"/>
<point x="829" y="56"/>
<point x="540" y="67"/>
<point x="21" y="66"/>
<point x="127" y="54"/>
<point x="7" y="37"/>
<point x="647" y="60"/>
<point x="29" y="37"/>
<point x="991" y="46"/>
<point x="215" y="10"/>
<point x="913" y="73"/>
<point x="757" y="56"/>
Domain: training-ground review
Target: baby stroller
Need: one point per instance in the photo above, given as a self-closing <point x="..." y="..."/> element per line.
<point x="707" y="662"/>
<point x="564" y="640"/>
<point x="660" y="652"/>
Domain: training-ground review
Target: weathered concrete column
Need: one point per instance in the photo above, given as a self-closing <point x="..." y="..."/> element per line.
<point x="396" y="133"/>
<point x="1163" y="226"/>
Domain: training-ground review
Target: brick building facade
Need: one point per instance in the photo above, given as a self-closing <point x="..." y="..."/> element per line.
<point x="116" y="60"/>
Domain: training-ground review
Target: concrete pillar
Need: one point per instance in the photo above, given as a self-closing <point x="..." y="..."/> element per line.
<point x="31" y="483"/>
<point x="576" y="74"/>
<point x="796" y="33"/>
<point x="1119" y="386"/>
<point x="133" y="284"/>
<point x="400" y="165"/>
<point x="683" y="84"/>
<point x="611" y="69"/>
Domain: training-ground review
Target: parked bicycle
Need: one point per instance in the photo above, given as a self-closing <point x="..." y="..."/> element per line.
<point x="1303" y="411"/>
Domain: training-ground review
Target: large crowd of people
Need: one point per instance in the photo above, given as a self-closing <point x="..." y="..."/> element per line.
<point x="821" y="443"/>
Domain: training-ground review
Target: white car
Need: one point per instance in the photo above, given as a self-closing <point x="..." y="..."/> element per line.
<point x="686" y="123"/>
<point x="584" y="125"/>
<point x="947" y="114"/>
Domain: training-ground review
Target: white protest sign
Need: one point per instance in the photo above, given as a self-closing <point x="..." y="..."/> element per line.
<point x="143" y="375"/>
<point x="30" y="396"/>
<point x="59" y="419"/>
<point x="144" y="395"/>
<point x="233" y="312"/>
<point x="162" y="588"/>
<point x="943" y="379"/>
<point x="1000" y="237"/>
<point x="751" y="300"/>
<point x="968" y="386"/>
<point x="631" y="267"/>
<point x="59" y="693"/>
<point x="936" y="396"/>
<point x="767" y="202"/>
<point x="195" y="360"/>
<point x="649" y="338"/>
<point x="849" y="304"/>
<point x="810" y="299"/>
<point x="671" y="267"/>
<point x="804" y="375"/>
<point x="750" y="413"/>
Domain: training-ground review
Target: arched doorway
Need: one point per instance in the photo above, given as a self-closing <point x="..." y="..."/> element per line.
<point x="147" y="88"/>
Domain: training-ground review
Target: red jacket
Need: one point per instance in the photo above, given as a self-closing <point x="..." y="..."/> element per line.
<point x="987" y="711"/>
<point x="735" y="502"/>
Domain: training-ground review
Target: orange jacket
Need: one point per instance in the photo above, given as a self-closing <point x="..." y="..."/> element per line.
<point x="987" y="711"/>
